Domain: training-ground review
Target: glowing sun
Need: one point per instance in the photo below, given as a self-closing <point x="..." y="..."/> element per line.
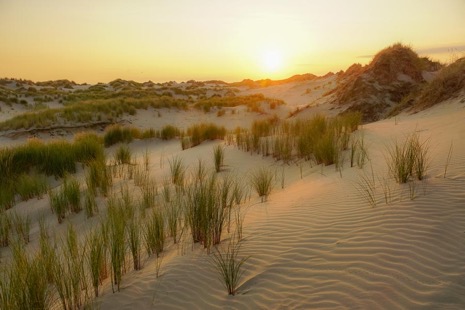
<point x="272" y="61"/>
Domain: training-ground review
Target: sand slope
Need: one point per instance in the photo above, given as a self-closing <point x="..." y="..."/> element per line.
<point x="318" y="244"/>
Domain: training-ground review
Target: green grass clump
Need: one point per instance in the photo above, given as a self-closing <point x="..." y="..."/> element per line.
<point x="31" y="186"/>
<point x="116" y="238"/>
<point x="59" y="205"/>
<point x="67" y="198"/>
<point x="7" y="195"/>
<point x="116" y="134"/>
<point x="154" y="233"/>
<point x="134" y="237"/>
<point x="203" y="132"/>
<point x="206" y="214"/>
<point x="54" y="158"/>
<point x="326" y="150"/>
<point x="90" y="204"/>
<point x="123" y="155"/>
<point x="23" y="284"/>
<point x="5" y="228"/>
<point x="173" y="214"/>
<point x="72" y="194"/>
<point x="22" y="226"/>
<point x="318" y="138"/>
<point x="408" y="159"/>
<point x="218" y="156"/>
<point x="69" y="277"/>
<point x="169" y="132"/>
<point x="96" y="258"/>
<point x="87" y="147"/>
<point x="98" y="176"/>
<point x="60" y="158"/>
<point x="229" y="266"/>
<point x="148" y="134"/>
<point x="177" y="170"/>
<point x="262" y="181"/>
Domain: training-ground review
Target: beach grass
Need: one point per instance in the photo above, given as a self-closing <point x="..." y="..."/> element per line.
<point x="261" y="180"/>
<point x="229" y="266"/>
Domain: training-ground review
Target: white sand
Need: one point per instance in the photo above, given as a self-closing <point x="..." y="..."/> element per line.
<point x="316" y="243"/>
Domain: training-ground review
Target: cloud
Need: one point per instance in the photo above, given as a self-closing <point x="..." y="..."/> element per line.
<point x="432" y="50"/>
<point x="442" y="49"/>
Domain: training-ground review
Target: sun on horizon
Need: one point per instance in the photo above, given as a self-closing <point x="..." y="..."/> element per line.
<point x="272" y="61"/>
<point x="227" y="40"/>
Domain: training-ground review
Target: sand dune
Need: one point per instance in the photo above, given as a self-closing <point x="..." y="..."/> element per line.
<point x="318" y="245"/>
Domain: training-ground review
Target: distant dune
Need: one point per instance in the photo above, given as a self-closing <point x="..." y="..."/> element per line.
<point x="359" y="203"/>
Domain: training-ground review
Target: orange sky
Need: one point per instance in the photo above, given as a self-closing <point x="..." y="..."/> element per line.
<point x="162" y="40"/>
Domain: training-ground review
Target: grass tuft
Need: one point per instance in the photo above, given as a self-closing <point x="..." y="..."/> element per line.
<point x="229" y="266"/>
<point x="218" y="156"/>
<point x="262" y="181"/>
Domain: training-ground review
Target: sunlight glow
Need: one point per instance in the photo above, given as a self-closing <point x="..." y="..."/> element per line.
<point x="272" y="61"/>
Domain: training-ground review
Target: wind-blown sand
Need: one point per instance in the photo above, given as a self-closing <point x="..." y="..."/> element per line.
<point x="317" y="244"/>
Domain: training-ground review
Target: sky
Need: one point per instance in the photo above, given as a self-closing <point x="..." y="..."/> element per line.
<point x="230" y="40"/>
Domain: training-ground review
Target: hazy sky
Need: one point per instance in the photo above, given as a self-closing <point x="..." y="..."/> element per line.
<point x="161" y="40"/>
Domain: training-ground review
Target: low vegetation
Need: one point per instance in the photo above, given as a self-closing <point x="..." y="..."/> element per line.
<point x="218" y="156"/>
<point x="262" y="182"/>
<point x="448" y="83"/>
<point x="408" y="159"/>
<point x="317" y="139"/>
<point x="229" y="266"/>
<point x="198" y="133"/>
<point x="252" y="102"/>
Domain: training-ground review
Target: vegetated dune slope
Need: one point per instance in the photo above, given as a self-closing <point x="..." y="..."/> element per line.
<point x="318" y="244"/>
